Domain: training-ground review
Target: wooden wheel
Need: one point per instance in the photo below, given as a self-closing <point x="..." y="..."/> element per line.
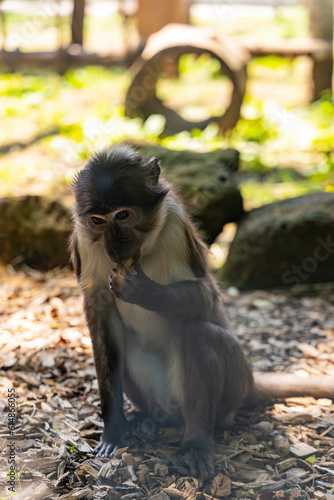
<point x="172" y="42"/>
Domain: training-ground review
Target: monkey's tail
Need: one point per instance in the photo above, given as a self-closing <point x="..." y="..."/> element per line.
<point x="270" y="386"/>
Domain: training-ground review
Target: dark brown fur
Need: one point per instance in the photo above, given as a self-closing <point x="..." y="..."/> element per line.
<point x="159" y="333"/>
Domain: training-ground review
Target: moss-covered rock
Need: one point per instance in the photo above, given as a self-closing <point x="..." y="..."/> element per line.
<point x="205" y="182"/>
<point x="285" y="243"/>
<point x="35" y="230"/>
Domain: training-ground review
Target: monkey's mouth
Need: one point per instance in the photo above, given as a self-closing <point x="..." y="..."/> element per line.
<point x="128" y="263"/>
<point x="124" y="260"/>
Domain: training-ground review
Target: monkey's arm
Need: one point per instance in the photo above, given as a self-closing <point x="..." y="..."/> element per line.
<point x="106" y="329"/>
<point x="187" y="299"/>
<point x="109" y="366"/>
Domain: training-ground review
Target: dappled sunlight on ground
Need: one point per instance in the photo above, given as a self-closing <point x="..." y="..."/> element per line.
<point x="46" y="357"/>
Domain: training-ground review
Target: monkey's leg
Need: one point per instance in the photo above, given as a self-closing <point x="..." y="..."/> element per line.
<point x="214" y="379"/>
<point x="198" y="388"/>
<point x="104" y="328"/>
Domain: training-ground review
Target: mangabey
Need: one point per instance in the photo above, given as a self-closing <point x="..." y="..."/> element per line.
<point x="158" y="327"/>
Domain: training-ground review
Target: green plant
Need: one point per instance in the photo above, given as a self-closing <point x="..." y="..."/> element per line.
<point x="311" y="460"/>
<point x="18" y="475"/>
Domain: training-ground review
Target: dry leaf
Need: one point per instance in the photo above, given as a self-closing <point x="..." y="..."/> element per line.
<point x="221" y="486"/>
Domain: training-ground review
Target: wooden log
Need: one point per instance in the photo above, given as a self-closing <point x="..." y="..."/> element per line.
<point x="319" y="50"/>
<point x="287" y="48"/>
<point x="67" y="57"/>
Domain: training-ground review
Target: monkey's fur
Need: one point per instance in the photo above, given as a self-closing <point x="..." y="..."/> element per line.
<point x="159" y="331"/>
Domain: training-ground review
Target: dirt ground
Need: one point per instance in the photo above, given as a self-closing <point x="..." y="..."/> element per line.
<point x="49" y="404"/>
<point x="47" y="379"/>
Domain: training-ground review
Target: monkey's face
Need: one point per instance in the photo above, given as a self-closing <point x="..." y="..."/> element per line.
<point x="121" y="232"/>
<point x="118" y="195"/>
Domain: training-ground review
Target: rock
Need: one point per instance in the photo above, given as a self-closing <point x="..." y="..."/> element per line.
<point x="161" y="469"/>
<point x="34" y="230"/>
<point x="232" y="291"/>
<point x="205" y="181"/>
<point x="290" y="242"/>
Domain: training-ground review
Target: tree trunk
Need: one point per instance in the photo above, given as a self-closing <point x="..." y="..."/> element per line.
<point x="321" y="19"/>
<point x="155" y="14"/>
<point x="321" y="26"/>
<point x="78" y="21"/>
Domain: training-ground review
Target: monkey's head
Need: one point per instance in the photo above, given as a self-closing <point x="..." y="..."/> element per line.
<point x="118" y="196"/>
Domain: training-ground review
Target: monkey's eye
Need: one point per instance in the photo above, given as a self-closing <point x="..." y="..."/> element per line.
<point x="122" y="215"/>
<point x="97" y="220"/>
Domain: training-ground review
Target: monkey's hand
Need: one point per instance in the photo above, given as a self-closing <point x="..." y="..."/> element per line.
<point x="200" y="463"/>
<point x="187" y="299"/>
<point x="133" y="288"/>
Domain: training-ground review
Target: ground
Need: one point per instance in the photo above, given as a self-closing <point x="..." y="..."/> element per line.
<point x="46" y="357"/>
<point x="50" y="125"/>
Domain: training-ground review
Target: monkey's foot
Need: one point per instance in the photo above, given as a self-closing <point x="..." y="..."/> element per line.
<point x="108" y="449"/>
<point x="143" y="427"/>
<point x="105" y="449"/>
<point x="199" y="463"/>
<point x="111" y="441"/>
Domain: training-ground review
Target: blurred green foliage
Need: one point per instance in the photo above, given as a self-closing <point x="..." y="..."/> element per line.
<point x="284" y="152"/>
<point x="195" y="67"/>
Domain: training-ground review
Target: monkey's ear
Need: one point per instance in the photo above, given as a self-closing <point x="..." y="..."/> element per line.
<point x="155" y="170"/>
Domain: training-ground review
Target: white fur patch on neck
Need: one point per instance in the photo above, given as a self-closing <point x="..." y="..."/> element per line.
<point x="165" y="255"/>
<point x="95" y="264"/>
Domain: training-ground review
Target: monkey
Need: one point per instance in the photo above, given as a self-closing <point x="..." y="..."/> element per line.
<point x="155" y="312"/>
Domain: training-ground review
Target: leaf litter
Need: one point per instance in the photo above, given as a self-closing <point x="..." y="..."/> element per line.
<point x="283" y="450"/>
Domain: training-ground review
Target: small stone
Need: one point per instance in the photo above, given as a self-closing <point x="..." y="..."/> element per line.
<point x="262" y="304"/>
<point x="264" y="427"/>
<point x="281" y="446"/>
<point x="233" y="291"/>
<point x="161" y="469"/>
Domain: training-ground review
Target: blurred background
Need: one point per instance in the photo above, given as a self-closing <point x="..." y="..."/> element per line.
<point x="235" y="98"/>
<point x="258" y="80"/>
